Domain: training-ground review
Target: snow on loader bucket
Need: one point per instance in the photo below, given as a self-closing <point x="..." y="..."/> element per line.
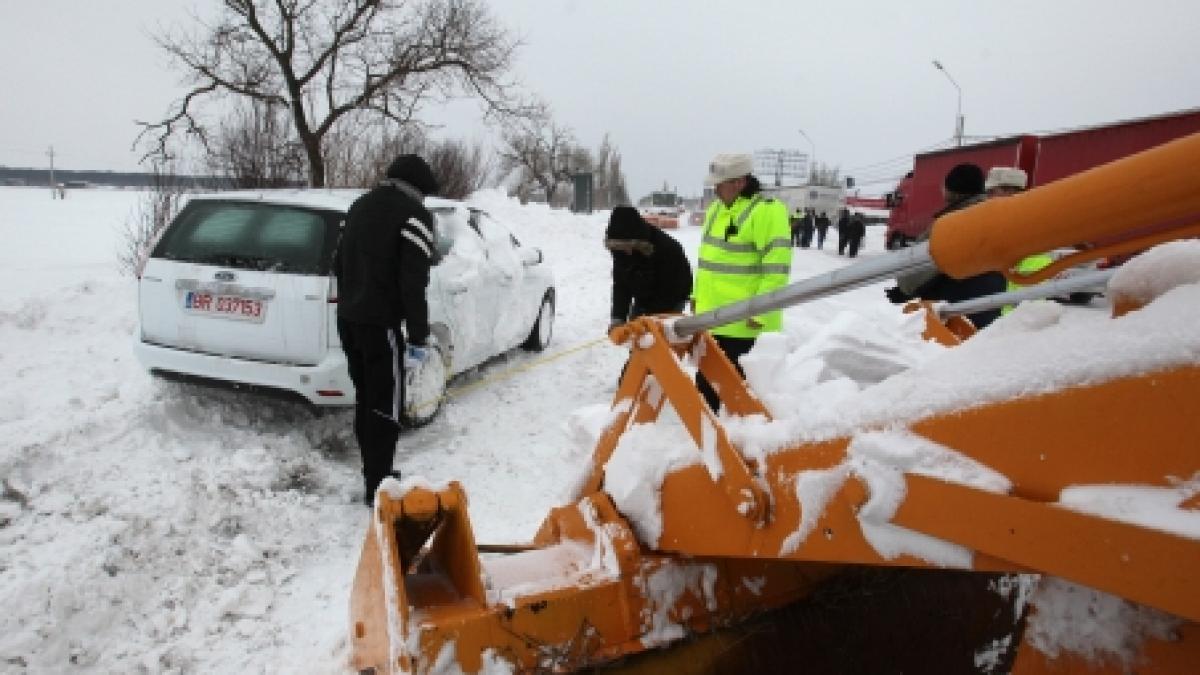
<point x="797" y="553"/>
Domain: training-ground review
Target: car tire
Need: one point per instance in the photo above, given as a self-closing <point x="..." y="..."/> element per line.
<point x="424" y="390"/>
<point x="543" y="326"/>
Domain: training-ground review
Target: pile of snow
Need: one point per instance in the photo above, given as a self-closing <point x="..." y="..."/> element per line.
<point x="634" y="474"/>
<point x="1101" y="628"/>
<point x="1157" y="271"/>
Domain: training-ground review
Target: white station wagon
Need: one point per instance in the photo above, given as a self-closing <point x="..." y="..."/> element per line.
<point x="238" y="291"/>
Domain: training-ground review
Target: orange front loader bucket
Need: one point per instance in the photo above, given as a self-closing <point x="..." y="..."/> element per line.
<point x="748" y="542"/>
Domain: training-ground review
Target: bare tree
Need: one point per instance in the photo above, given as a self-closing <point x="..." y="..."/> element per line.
<point x="618" y="192"/>
<point x="610" y="188"/>
<point x="824" y="175"/>
<point x="460" y="168"/>
<point x="358" y="151"/>
<point x="539" y="150"/>
<point x="324" y="59"/>
<point x="155" y="210"/>
<point x="255" y="148"/>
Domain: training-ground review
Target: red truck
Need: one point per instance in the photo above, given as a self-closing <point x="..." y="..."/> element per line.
<point x="1044" y="158"/>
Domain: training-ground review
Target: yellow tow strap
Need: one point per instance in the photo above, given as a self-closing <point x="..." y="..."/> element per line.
<point x="513" y="372"/>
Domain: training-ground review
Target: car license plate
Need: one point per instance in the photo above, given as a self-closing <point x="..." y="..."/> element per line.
<point x="224" y="306"/>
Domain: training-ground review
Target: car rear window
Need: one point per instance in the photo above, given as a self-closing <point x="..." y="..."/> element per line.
<point x="265" y="237"/>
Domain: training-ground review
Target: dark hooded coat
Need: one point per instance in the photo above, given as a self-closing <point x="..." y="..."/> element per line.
<point x="660" y="282"/>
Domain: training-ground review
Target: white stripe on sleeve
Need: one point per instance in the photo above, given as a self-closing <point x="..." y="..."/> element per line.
<point x="417" y="241"/>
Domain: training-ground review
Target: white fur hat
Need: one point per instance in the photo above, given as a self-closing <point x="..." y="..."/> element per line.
<point x="729" y="166"/>
<point x="1006" y="176"/>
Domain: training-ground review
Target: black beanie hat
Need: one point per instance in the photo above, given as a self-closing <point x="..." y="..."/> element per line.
<point x="626" y="223"/>
<point x="964" y="179"/>
<point x="415" y="171"/>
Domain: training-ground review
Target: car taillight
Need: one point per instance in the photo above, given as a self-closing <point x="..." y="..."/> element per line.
<point x="330" y="393"/>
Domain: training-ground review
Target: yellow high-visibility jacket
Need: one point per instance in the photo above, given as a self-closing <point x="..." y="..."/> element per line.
<point x="1028" y="265"/>
<point x="746" y="251"/>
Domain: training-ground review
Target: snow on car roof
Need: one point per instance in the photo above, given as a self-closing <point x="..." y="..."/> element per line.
<point x="337" y="200"/>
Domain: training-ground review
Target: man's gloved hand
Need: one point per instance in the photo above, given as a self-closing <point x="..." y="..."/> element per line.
<point x="897" y="296"/>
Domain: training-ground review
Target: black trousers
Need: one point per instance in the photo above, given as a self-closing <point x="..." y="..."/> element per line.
<point x="855" y="243"/>
<point x="375" y="359"/>
<point x="734" y="348"/>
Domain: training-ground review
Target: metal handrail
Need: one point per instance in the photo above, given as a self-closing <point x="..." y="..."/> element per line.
<point x="912" y="259"/>
<point x="1047" y="289"/>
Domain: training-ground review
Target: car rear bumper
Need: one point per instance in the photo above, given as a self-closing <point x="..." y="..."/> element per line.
<point x="326" y="384"/>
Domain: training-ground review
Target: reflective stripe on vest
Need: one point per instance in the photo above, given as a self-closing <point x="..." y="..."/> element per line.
<point x="754" y="269"/>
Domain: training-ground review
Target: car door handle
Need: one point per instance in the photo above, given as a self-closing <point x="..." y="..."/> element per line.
<point x="456" y="289"/>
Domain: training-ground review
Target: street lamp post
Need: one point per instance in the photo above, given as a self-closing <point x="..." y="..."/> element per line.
<point x="958" y="119"/>
<point x="812" y="160"/>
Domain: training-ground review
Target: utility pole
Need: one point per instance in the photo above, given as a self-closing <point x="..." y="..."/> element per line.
<point x="812" y="160"/>
<point x="958" y="118"/>
<point x="53" y="183"/>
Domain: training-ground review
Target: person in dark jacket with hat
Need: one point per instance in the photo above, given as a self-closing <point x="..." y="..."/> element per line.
<point x="650" y="273"/>
<point x="382" y="268"/>
<point x="962" y="188"/>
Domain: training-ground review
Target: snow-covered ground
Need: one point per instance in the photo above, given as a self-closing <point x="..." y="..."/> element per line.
<point x="153" y="527"/>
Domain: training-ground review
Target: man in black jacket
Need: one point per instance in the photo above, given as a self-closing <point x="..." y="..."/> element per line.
<point x="843" y="227"/>
<point x="961" y="189"/>
<point x="382" y="268"/>
<point x="822" y="229"/>
<point x="855" y="232"/>
<point x="651" y="273"/>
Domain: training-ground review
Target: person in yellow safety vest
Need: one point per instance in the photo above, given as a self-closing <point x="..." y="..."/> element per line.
<point x="1003" y="181"/>
<point x="745" y="251"/>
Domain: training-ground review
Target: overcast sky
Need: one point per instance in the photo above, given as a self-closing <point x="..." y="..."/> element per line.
<point x="674" y="82"/>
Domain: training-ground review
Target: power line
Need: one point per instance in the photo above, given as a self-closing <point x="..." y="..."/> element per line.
<point x="944" y="143"/>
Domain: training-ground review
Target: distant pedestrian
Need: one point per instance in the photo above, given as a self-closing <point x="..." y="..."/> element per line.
<point x="794" y="224"/>
<point x="807" y="225"/>
<point x="855" y="233"/>
<point x="843" y="226"/>
<point x="822" y="229"/>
